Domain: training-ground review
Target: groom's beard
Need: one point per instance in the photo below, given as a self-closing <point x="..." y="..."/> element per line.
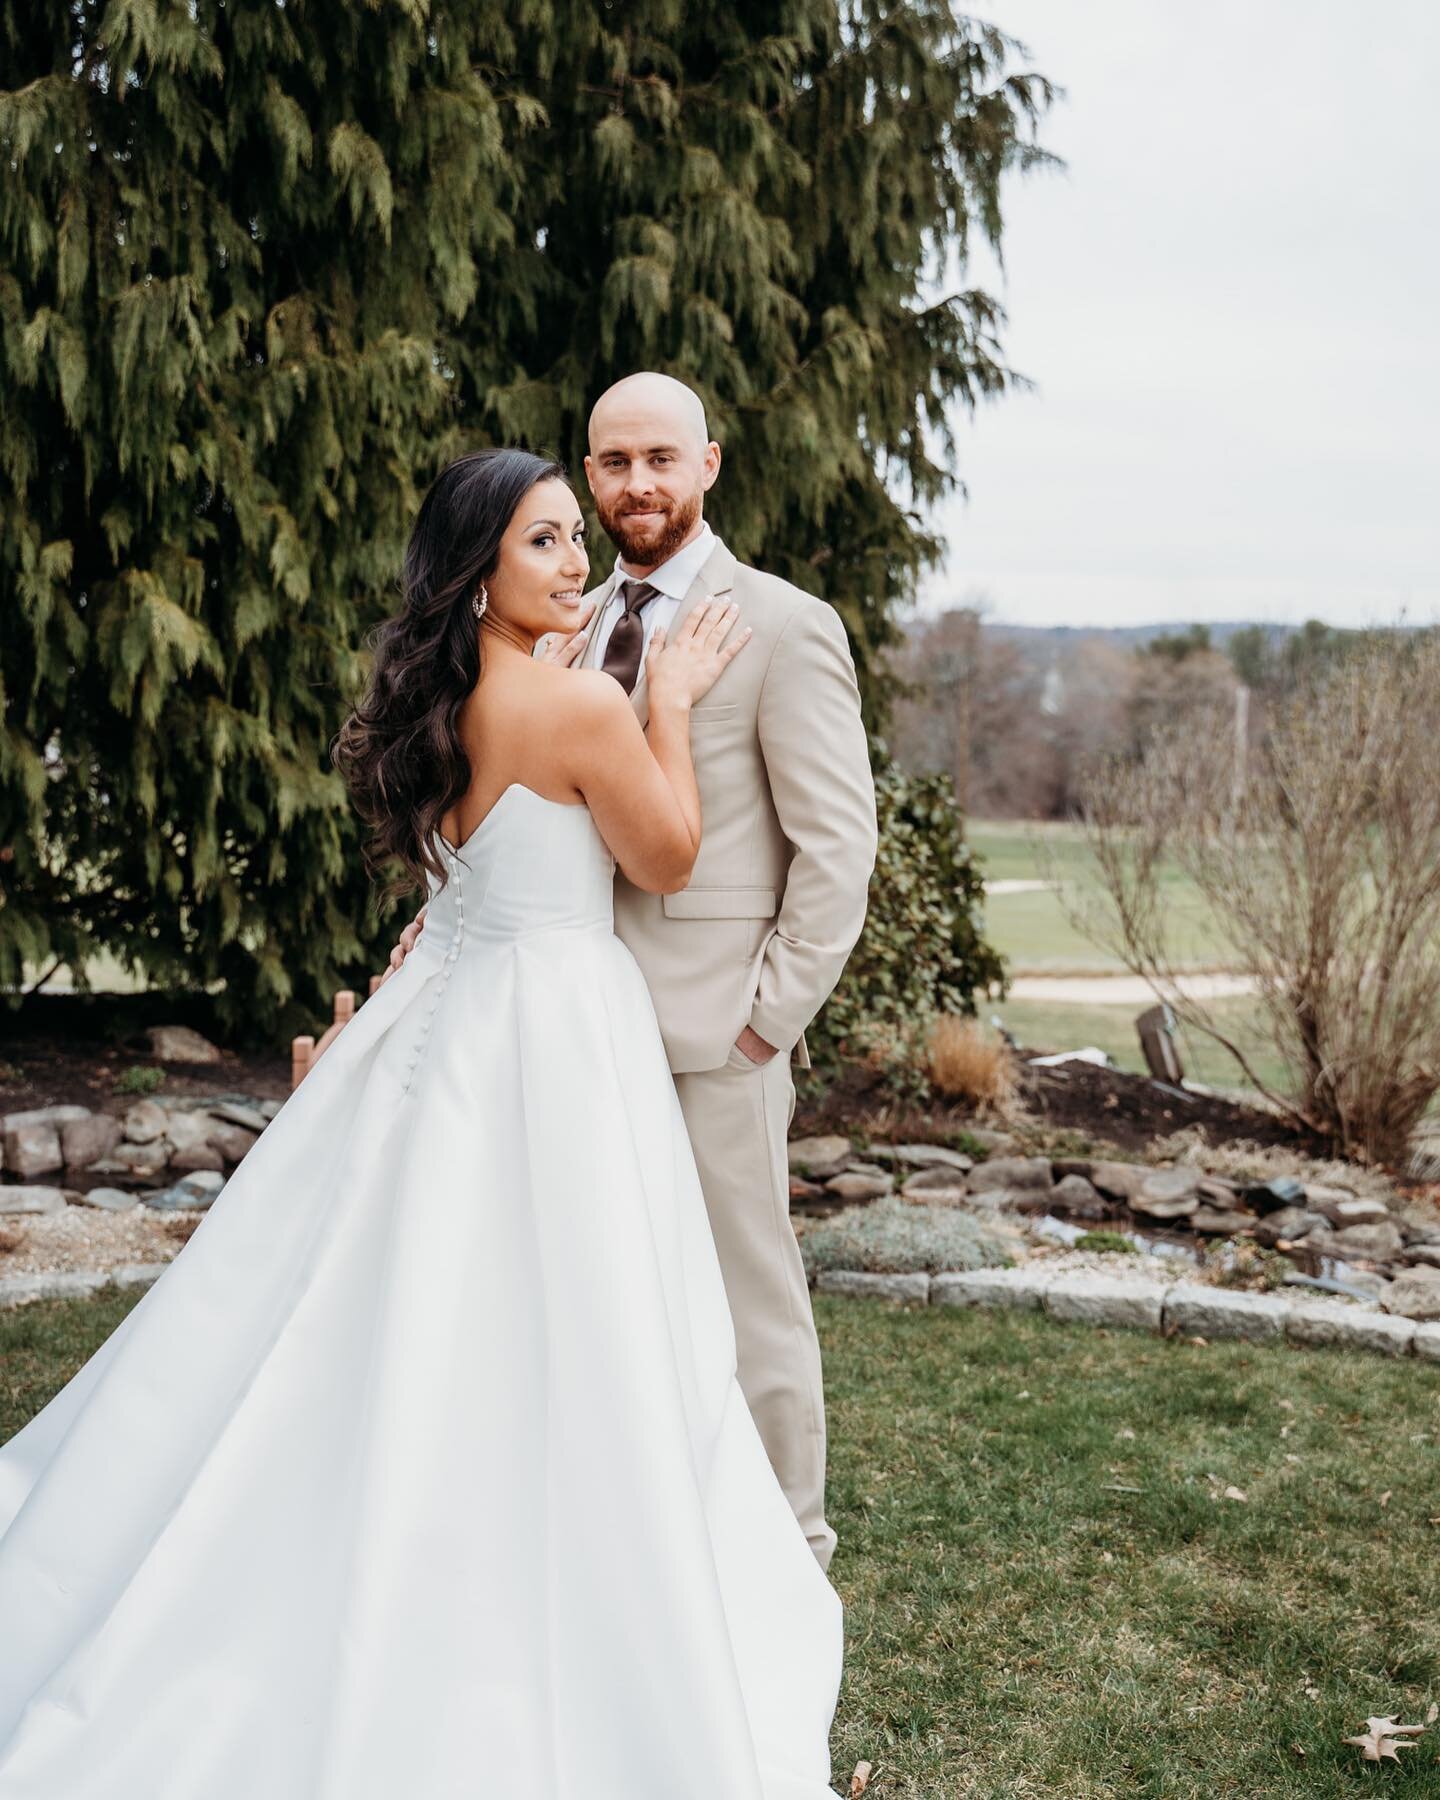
<point x="648" y="546"/>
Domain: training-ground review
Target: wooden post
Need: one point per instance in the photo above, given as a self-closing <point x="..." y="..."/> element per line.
<point x="305" y="1052"/>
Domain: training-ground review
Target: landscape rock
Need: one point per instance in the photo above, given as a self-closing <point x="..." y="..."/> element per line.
<point x="1379" y="1243"/>
<point x="1193" y="1310"/>
<point x="1415" y="1294"/>
<point x="993" y="1143"/>
<point x="1118" y="1180"/>
<point x="59" y="1284"/>
<point x="940" y="1180"/>
<point x="196" y="1156"/>
<point x="145" y="1122"/>
<point x="33" y="1150"/>
<point x="1010" y="1172"/>
<point x="43" y="1115"/>
<point x="194" y="1193"/>
<point x="179" y="1044"/>
<point x="1078" y="1198"/>
<point x="817" y="1158"/>
<point x="140" y="1160"/>
<point x="1023" y="1288"/>
<point x="1419" y="1233"/>
<point x="1061" y="1166"/>
<point x="910" y="1287"/>
<point x="108" y="1199"/>
<point x="188" y="1130"/>
<point x="922" y="1156"/>
<point x="1215" y="1221"/>
<point x="810" y="1193"/>
<point x="856" y="1186"/>
<point x="1167" y="1194"/>
<point x="242" y="1113"/>
<point x="84" y="1141"/>
<point x="1269" y="1196"/>
<point x="1426" y="1343"/>
<point x="268" y="1108"/>
<point x="1289" y="1223"/>
<point x="1428" y="1254"/>
<point x="233" y="1142"/>
<point x="1332" y="1325"/>
<point x="1219" y="1191"/>
<point x="1093" y="1298"/>
<point x="1344" y="1209"/>
<point x="27" y="1199"/>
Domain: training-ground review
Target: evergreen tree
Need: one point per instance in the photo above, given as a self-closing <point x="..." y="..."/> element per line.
<point x="264" y="266"/>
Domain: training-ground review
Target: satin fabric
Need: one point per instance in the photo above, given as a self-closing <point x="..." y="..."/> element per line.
<point x="423" y="1471"/>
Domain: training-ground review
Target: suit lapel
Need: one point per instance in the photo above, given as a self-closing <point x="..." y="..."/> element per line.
<point x="589" y="659"/>
<point x="716" y="577"/>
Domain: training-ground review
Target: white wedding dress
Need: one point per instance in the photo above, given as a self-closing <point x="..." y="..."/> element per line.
<point x="423" y="1472"/>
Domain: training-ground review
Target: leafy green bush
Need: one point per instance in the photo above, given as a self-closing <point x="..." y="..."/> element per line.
<point x="921" y="952"/>
<point x="892" y="1237"/>
<point x="139" y="1080"/>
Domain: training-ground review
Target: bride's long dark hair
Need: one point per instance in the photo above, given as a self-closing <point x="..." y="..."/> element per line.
<point x="399" y="751"/>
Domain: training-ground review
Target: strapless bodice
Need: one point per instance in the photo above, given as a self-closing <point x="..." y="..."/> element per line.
<point x="530" y="865"/>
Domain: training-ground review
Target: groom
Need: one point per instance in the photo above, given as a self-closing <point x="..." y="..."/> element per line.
<point x="742" y="959"/>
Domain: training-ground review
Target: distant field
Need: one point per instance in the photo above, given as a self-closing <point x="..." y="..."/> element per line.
<point x="1032" y="931"/>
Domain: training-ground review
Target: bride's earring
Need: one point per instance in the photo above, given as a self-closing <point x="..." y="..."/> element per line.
<point x="480" y="603"/>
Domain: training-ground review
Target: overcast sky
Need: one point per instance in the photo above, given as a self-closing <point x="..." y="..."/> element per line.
<point x="1230" y="304"/>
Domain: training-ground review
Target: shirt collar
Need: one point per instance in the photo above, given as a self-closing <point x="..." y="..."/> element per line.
<point x="675" y="577"/>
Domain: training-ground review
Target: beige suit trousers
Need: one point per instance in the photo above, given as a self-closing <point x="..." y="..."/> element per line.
<point x="738" y="1117"/>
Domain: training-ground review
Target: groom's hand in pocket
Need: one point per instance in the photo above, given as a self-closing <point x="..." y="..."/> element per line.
<point x="750" y="1044"/>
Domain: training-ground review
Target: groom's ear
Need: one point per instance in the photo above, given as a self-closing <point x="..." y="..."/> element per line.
<point x="711" y="469"/>
<point x="589" y="477"/>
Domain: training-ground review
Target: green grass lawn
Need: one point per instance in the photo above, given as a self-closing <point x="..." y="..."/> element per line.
<point x="1050" y="1025"/>
<point x="1032" y="931"/>
<point x="1020" y="1623"/>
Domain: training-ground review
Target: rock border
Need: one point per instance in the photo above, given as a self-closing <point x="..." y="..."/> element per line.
<point x="1170" y="1309"/>
<point x="66" y="1284"/>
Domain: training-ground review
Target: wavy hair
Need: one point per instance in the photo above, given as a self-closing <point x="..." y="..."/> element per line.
<point x="400" y="751"/>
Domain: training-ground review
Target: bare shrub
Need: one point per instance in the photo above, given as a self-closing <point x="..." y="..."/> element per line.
<point x="967" y="1061"/>
<point x="10" y="1240"/>
<point x="1319" y="854"/>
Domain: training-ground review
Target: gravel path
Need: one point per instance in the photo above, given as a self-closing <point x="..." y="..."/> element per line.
<point x="83" y="1237"/>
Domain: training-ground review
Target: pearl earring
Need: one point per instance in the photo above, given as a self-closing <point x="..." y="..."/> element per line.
<point x="478" y="606"/>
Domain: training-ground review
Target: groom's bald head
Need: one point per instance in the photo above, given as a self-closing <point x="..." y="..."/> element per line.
<point x="651" y="463"/>
<point x="649" y="401"/>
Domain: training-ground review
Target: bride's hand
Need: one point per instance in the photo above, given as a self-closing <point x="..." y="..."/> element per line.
<point x="564" y="648"/>
<point x="683" y="670"/>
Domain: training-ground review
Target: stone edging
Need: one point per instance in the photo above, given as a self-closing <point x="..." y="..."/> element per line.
<point x="1079" y="1296"/>
<point x="1183" y="1308"/>
<point x="66" y="1284"/>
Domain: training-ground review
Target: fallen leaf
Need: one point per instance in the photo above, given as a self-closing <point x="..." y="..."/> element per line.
<point x="860" y="1780"/>
<point x="1432" y="1713"/>
<point x="1385" y="1497"/>
<point x="1383" y="1739"/>
<point x="1126" y="1433"/>
<point x="1234" y="1493"/>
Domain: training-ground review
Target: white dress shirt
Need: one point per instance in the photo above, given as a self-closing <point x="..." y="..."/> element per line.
<point x="673" y="578"/>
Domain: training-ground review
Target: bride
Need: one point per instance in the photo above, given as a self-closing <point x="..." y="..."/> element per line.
<point x="423" y="1472"/>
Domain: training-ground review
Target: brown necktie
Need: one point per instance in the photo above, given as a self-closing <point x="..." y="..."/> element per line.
<point x="627" y="637"/>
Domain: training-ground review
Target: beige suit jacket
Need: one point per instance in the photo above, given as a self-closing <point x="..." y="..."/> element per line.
<point x="777" y="897"/>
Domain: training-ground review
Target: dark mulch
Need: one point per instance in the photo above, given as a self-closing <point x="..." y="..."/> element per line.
<point x="1109" y="1106"/>
<point x="70" y="1050"/>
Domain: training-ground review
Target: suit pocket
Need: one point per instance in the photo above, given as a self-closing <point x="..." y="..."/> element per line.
<point x="722" y="903"/>
<point x="711" y="715"/>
